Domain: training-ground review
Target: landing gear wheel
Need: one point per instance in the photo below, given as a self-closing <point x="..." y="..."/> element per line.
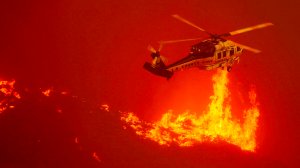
<point x="229" y="69"/>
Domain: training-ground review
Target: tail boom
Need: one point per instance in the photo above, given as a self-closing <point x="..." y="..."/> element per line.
<point x="158" y="70"/>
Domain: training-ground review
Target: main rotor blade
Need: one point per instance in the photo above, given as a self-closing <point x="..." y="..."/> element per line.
<point x="151" y="49"/>
<point x="260" y="26"/>
<point x="160" y="46"/>
<point x="247" y="48"/>
<point x="177" y="41"/>
<point x="187" y="22"/>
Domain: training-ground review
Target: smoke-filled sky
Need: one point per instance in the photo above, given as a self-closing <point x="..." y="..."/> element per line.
<point x="95" y="50"/>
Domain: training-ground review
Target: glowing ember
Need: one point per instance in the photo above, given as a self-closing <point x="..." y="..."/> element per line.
<point x="96" y="157"/>
<point x="64" y="93"/>
<point x="215" y="125"/>
<point x="104" y="107"/>
<point x="76" y="140"/>
<point x="47" y="92"/>
<point x="59" y="110"/>
<point x="7" y="95"/>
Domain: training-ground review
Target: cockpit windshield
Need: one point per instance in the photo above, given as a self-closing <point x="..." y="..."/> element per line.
<point x="203" y="49"/>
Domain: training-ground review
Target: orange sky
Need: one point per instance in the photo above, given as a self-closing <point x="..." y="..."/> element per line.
<point x="97" y="48"/>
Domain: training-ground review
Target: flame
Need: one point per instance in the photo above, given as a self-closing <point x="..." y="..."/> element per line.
<point x="7" y="95"/>
<point x="217" y="124"/>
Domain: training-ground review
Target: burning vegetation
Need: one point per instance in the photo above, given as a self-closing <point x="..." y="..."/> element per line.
<point x="8" y="95"/>
<point x="216" y="124"/>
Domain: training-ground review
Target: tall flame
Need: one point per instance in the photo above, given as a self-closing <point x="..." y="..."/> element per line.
<point x="215" y="125"/>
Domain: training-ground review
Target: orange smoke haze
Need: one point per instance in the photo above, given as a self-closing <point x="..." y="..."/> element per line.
<point x="217" y="124"/>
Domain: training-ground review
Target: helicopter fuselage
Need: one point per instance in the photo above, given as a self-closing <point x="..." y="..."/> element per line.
<point x="207" y="55"/>
<point x="215" y="52"/>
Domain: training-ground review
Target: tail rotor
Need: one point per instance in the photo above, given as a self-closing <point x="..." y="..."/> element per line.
<point x="155" y="54"/>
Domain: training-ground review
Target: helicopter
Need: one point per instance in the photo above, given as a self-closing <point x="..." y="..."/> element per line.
<point x="211" y="53"/>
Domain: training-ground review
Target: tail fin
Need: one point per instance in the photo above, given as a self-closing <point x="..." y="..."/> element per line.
<point x="158" y="69"/>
